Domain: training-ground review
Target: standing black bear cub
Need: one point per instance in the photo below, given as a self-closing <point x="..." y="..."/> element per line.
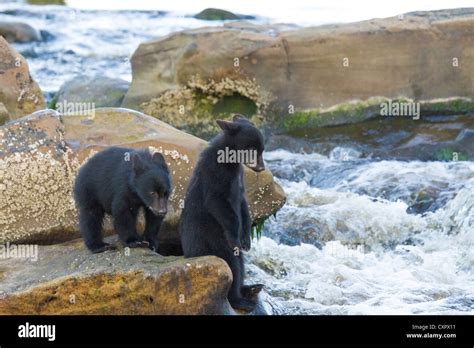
<point x="119" y="181"/>
<point x="215" y="219"/>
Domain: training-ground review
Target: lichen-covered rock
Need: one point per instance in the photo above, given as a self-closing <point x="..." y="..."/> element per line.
<point x="19" y="93"/>
<point x="422" y="56"/>
<point x="68" y="279"/>
<point x="37" y="171"/>
<point x="19" y="32"/>
<point x="40" y="156"/>
<point x="99" y="91"/>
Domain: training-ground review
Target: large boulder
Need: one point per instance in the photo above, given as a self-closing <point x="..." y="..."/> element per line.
<point x="19" y="93"/>
<point x="422" y="56"/>
<point x="68" y="279"/>
<point x="19" y="32"/>
<point x="41" y="154"/>
<point x="100" y="91"/>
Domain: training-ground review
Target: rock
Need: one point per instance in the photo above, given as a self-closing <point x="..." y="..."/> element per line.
<point x="305" y="71"/>
<point x="38" y="207"/>
<point x="46" y="2"/>
<point x="19" y="32"/>
<point x="100" y="91"/>
<point x="68" y="279"/>
<point x="4" y="116"/>
<point x="19" y="93"/>
<point x="47" y="36"/>
<point x="214" y="14"/>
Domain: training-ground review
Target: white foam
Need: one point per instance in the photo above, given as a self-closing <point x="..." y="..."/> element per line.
<point x="363" y="265"/>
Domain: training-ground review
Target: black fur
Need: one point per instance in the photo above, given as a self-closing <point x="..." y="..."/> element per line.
<point x="119" y="181"/>
<point x="215" y="219"/>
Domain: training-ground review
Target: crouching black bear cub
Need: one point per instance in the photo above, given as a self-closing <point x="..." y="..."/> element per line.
<point x="118" y="181"/>
<point x="215" y="219"/>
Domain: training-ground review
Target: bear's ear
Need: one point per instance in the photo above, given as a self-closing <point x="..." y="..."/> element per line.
<point x="241" y="118"/>
<point x="137" y="164"/>
<point x="158" y="159"/>
<point x="228" y="127"/>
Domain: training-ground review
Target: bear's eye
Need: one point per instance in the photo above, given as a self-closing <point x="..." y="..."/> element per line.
<point x="153" y="193"/>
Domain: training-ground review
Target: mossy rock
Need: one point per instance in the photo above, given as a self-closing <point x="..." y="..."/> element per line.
<point x="196" y="106"/>
<point x="98" y="91"/>
<point x="344" y="113"/>
<point x="359" y="111"/>
<point x="215" y="14"/>
<point x="46" y="2"/>
<point x="448" y="106"/>
<point x="449" y="154"/>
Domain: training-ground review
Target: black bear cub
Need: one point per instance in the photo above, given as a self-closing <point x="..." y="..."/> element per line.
<point x="119" y="181"/>
<point x="215" y="219"/>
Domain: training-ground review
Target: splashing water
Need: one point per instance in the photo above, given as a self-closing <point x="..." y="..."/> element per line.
<point x="347" y="242"/>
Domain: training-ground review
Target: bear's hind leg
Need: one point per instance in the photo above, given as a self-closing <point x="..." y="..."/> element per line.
<point x="236" y="300"/>
<point x="251" y="292"/>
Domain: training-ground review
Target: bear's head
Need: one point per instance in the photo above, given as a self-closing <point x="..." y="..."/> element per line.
<point x="151" y="181"/>
<point x="241" y="135"/>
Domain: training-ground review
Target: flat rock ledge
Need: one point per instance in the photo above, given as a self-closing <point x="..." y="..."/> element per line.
<point x="67" y="279"/>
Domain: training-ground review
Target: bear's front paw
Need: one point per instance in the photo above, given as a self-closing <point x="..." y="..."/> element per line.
<point x="138" y="244"/>
<point x="251" y="292"/>
<point x="152" y="245"/>
<point x="101" y="247"/>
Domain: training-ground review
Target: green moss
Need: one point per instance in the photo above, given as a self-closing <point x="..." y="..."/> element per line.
<point x="453" y="106"/>
<point x="344" y="113"/>
<point x="300" y="120"/>
<point x="52" y="104"/>
<point x="257" y="228"/>
<point x="235" y="103"/>
<point x="449" y="154"/>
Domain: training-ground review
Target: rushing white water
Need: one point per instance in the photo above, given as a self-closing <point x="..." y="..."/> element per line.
<point x="88" y="41"/>
<point x="343" y="249"/>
